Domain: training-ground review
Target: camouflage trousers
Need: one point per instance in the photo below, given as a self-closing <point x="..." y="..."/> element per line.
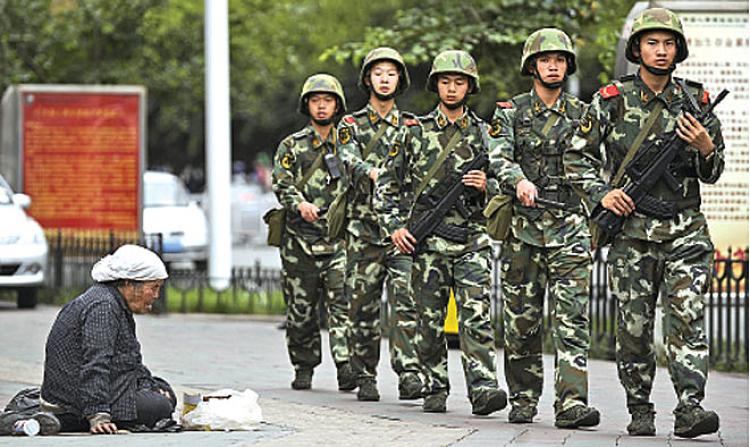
<point x="527" y="272"/>
<point x="681" y="270"/>
<point x="307" y="282"/>
<point x="368" y="267"/>
<point x="433" y="277"/>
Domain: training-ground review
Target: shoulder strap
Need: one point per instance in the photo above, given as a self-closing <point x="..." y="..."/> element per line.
<point x="438" y="163"/>
<point x="314" y="167"/>
<point x="375" y="138"/>
<point x="637" y="142"/>
<point x="551" y="121"/>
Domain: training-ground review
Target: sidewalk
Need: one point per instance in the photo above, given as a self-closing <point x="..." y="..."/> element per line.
<point x="204" y="352"/>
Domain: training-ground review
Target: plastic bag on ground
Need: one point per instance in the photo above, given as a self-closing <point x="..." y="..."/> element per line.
<point x="225" y="409"/>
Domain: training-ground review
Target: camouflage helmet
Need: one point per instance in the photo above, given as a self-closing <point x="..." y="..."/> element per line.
<point x="454" y="61"/>
<point x="546" y="40"/>
<point x="321" y="83"/>
<point x="384" y="54"/>
<point x="657" y="19"/>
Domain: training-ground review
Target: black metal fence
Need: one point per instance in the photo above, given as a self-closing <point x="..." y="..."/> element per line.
<point x="257" y="290"/>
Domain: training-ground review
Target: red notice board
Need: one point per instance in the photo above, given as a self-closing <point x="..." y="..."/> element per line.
<point x="82" y="159"/>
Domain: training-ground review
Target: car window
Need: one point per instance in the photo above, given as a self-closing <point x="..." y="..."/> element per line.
<point x="165" y="194"/>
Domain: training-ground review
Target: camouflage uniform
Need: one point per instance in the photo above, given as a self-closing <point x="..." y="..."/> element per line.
<point x="546" y="247"/>
<point x="650" y="253"/>
<point x="371" y="257"/>
<point x="313" y="266"/>
<point x="440" y="264"/>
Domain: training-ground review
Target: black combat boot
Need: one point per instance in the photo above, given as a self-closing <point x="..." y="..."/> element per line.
<point x="692" y="421"/>
<point x="578" y="416"/>
<point x="302" y="379"/>
<point x="522" y="414"/>
<point x="435" y="403"/>
<point x="409" y="387"/>
<point x="368" y="390"/>
<point x="346" y="378"/>
<point x="642" y="420"/>
<point x="488" y="400"/>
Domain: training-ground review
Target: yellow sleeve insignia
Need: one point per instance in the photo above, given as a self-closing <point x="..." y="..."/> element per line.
<point x="345" y="135"/>
<point x="286" y="162"/>
<point x="495" y="128"/>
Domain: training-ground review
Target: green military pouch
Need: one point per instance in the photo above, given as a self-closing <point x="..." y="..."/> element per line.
<point x="276" y="221"/>
<point x="337" y="217"/>
<point x="498" y="212"/>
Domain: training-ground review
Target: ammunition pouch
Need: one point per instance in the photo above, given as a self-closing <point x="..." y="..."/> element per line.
<point x="337" y="216"/>
<point x="276" y="221"/>
<point x="499" y="212"/>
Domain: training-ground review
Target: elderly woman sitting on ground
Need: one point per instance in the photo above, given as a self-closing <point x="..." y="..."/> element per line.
<point x="94" y="377"/>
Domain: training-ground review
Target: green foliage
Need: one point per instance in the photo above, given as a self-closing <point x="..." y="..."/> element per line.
<point x="274" y="46"/>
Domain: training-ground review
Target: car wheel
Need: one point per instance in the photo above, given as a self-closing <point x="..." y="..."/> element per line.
<point x="26" y="298"/>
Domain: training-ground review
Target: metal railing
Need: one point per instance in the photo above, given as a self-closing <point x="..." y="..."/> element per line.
<point x="258" y="290"/>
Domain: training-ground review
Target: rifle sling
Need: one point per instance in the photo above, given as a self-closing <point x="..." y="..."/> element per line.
<point x="314" y="167"/>
<point x="438" y="163"/>
<point x="637" y="142"/>
<point x="375" y="138"/>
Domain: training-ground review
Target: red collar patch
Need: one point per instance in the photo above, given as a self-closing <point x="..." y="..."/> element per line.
<point x="505" y="104"/>
<point x="349" y="120"/>
<point x="706" y="99"/>
<point x="609" y="91"/>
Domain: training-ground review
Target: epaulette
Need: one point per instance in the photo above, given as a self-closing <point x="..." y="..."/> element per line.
<point x="609" y="91"/>
<point x="693" y="83"/>
<point x="408" y="115"/>
<point x="504" y="104"/>
<point x="360" y="113"/>
<point x="348" y="119"/>
<point x="301" y="134"/>
<point x="521" y="101"/>
<point x="627" y="77"/>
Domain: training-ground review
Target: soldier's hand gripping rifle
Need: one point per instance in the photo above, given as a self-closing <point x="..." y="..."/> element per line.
<point x="538" y="201"/>
<point x="429" y="221"/>
<point x="643" y="176"/>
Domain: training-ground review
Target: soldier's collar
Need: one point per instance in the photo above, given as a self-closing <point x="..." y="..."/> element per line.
<point x="391" y="118"/>
<point x="646" y="95"/>
<point x="538" y="106"/>
<point x="317" y="141"/>
<point x="462" y="122"/>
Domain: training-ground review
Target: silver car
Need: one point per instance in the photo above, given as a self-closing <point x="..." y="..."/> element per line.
<point x="23" y="247"/>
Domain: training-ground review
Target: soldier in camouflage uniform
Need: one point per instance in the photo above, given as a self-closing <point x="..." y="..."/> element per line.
<point x="364" y="138"/>
<point x="547" y="249"/>
<point x="651" y="252"/>
<point x="313" y="265"/>
<point x="442" y="264"/>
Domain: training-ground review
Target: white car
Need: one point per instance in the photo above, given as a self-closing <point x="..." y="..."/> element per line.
<point x="167" y="209"/>
<point x="23" y="247"/>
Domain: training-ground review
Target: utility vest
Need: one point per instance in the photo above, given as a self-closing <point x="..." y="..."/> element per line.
<point x="539" y="148"/>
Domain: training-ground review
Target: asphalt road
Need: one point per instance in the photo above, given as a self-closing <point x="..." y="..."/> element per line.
<point x="202" y="352"/>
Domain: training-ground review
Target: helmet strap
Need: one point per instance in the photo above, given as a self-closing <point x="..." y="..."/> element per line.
<point x="381" y="96"/>
<point x="549" y="85"/>
<point x="324" y="122"/>
<point x="658" y="71"/>
<point x="455" y="105"/>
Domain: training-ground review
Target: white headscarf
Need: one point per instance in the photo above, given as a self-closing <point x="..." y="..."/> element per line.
<point x="129" y="262"/>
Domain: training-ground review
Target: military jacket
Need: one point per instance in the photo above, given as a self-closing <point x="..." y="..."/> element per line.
<point x="293" y="158"/>
<point x="527" y="141"/>
<point x="355" y="132"/>
<point x="410" y="158"/>
<point x="615" y="117"/>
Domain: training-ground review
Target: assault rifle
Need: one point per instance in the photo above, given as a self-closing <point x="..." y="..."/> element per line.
<point x="431" y="220"/>
<point x="643" y="176"/>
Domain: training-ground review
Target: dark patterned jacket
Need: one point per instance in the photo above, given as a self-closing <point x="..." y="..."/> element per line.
<point x="93" y="360"/>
